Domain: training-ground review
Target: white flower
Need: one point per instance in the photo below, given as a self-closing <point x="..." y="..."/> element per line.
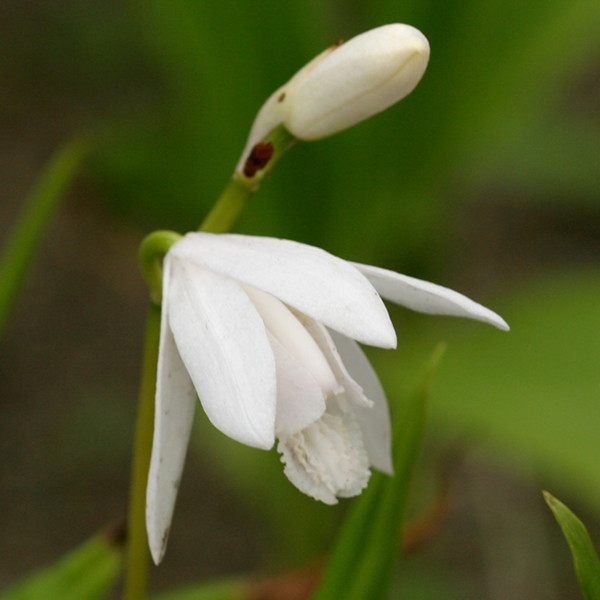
<point x="345" y="84"/>
<point x="264" y="331"/>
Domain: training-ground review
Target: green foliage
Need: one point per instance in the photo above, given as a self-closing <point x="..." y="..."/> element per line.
<point x="362" y="561"/>
<point x="219" y="590"/>
<point x="585" y="559"/>
<point x="87" y="573"/>
<point x="23" y="243"/>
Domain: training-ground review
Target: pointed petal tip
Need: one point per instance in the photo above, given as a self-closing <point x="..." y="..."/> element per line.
<point x="157" y="553"/>
<point x="157" y="539"/>
<point x="492" y="318"/>
<point x="381" y="333"/>
<point x="502" y="324"/>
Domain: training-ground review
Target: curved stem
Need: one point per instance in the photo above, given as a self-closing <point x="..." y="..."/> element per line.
<point x="153" y="249"/>
<point x="138" y="555"/>
<point x="229" y="206"/>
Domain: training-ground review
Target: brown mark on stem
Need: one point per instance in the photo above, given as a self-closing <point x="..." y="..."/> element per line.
<point x="258" y="159"/>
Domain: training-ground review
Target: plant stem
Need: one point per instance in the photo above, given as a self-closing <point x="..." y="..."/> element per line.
<point x="229" y="206"/>
<point x="137" y="557"/>
<point x="240" y="188"/>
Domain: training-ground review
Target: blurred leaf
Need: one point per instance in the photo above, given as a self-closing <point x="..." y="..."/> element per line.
<point x="220" y="590"/>
<point x="554" y="163"/>
<point x="585" y="559"/>
<point x="20" y="249"/>
<point x="87" y="573"/>
<point x="362" y="560"/>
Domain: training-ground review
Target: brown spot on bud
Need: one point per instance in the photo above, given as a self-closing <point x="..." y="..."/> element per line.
<point x="259" y="157"/>
<point x="281" y="97"/>
<point x="337" y="44"/>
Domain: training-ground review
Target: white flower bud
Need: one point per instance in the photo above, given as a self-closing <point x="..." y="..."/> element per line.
<point x="345" y="84"/>
<point x="361" y="78"/>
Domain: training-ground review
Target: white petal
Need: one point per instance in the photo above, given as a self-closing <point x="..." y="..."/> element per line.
<point x="174" y="414"/>
<point x="223" y="343"/>
<point x="352" y="390"/>
<point x="300" y="399"/>
<point x="289" y="331"/>
<point x="375" y="421"/>
<point x="427" y="297"/>
<point x="309" y="279"/>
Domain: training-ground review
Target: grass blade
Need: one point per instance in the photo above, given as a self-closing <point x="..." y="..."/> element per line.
<point x="585" y="559"/>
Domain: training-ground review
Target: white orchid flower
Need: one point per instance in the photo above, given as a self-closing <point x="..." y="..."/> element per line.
<point x="344" y="85"/>
<point x="264" y="331"/>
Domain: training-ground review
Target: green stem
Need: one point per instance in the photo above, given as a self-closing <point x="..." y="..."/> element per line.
<point x="137" y="558"/>
<point x="229" y="206"/>
<point x="153" y="249"/>
<point x="24" y="240"/>
<point x="240" y="188"/>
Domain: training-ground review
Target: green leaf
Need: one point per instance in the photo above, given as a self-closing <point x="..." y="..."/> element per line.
<point x="232" y="589"/>
<point x="86" y="573"/>
<point x="585" y="559"/>
<point x="25" y="238"/>
<point x="362" y="560"/>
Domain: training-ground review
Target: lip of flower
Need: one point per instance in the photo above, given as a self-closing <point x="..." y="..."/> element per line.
<point x="345" y="84"/>
<point x="264" y="331"/>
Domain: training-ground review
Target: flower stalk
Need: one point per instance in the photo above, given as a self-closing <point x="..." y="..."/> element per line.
<point x="244" y="183"/>
<point x="137" y="556"/>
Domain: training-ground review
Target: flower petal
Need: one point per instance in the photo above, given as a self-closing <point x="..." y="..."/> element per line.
<point x="306" y="278"/>
<point x="351" y="390"/>
<point x="374" y="421"/>
<point x="287" y="329"/>
<point x="175" y="403"/>
<point x="427" y="297"/>
<point x="223" y="343"/>
<point x="300" y="399"/>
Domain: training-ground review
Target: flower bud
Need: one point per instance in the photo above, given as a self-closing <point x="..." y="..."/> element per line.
<point x="345" y="84"/>
<point x="361" y="78"/>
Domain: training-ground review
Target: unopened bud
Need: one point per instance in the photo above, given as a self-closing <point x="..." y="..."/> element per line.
<point x="346" y="84"/>
<point x="361" y="78"/>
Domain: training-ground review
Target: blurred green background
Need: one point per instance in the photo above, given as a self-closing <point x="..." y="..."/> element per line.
<point x="485" y="179"/>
